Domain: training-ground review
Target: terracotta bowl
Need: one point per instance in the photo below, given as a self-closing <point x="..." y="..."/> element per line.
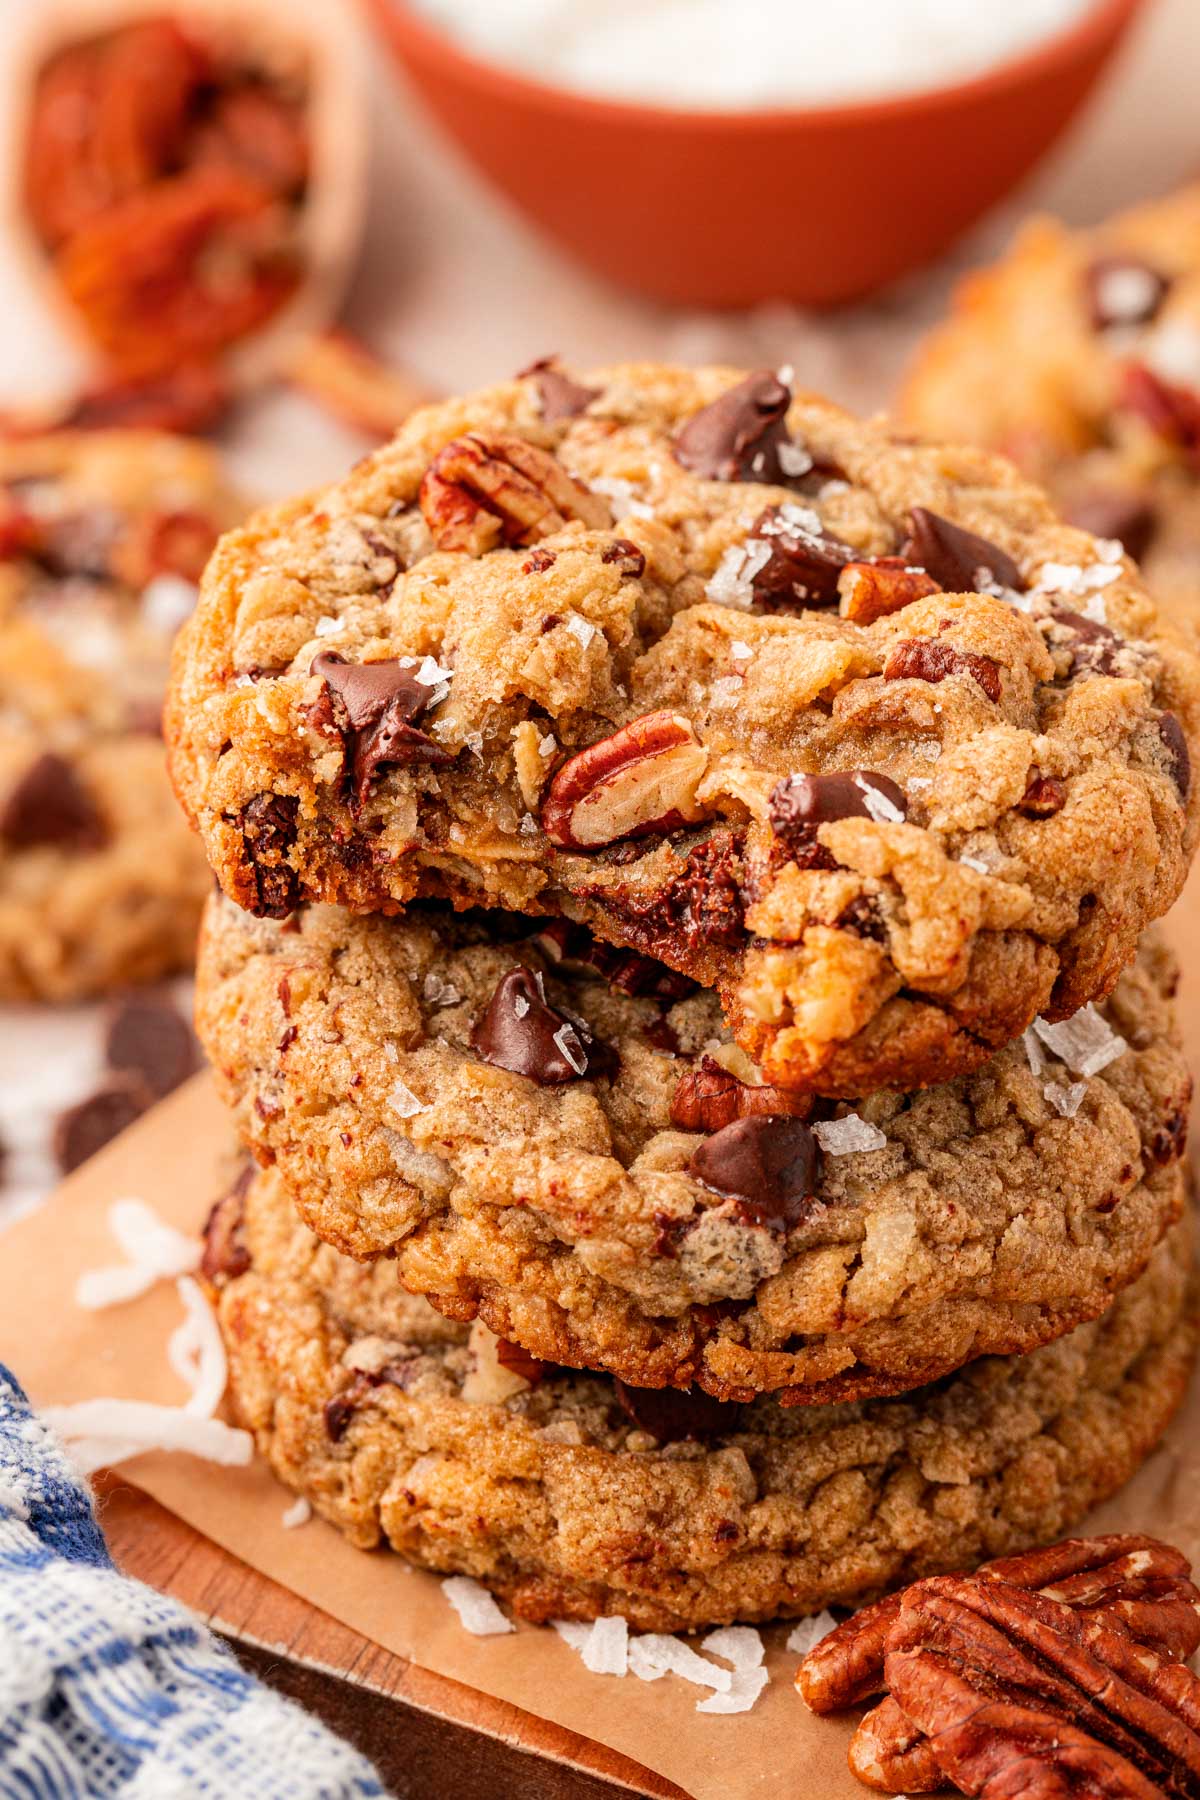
<point x="728" y="209"/>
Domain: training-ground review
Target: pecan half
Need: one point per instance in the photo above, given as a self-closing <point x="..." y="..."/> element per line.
<point x="871" y="590"/>
<point x="490" y="488"/>
<point x="642" y="779"/>
<point x="709" y="1097"/>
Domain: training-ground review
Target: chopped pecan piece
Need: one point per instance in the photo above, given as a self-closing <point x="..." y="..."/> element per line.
<point x="1172" y="412"/>
<point x="1044" y="795"/>
<point x="709" y="1097"/>
<point x="490" y="488"/>
<point x="226" y="1253"/>
<point x="642" y="779"/>
<point x="927" y="659"/>
<point x="872" y="590"/>
<point x="673" y="1414"/>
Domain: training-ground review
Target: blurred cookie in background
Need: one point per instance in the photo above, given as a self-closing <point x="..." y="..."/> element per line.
<point x="1078" y="355"/>
<point x="103" y="537"/>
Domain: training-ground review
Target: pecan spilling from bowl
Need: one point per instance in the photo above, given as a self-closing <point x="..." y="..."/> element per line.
<point x="1056" y="1672"/>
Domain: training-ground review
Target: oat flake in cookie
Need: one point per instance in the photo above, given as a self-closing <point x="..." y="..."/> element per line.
<point x="562" y="1138"/>
<point x="737" y="680"/>
<point x="102" y="540"/>
<point x="573" y="1497"/>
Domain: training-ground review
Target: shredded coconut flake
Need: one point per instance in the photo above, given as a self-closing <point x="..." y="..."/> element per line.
<point x="746" y="1686"/>
<point x="196" y="1352"/>
<point x="155" y="1252"/>
<point x="298" y="1513"/>
<point x="809" y="1632"/>
<point x="975" y="862"/>
<point x="100" y="1432"/>
<point x="739" y="651"/>
<point x="655" y="1654"/>
<point x="1071" y="578"/>
<point x="1084" y="1041"/>
<point x="404" y="1102"/>
<point x="740" y="1645"/>
<point x="1035" y="1056"/>
<point x="603" y="1645"/>
<point x="476" y="1609"/>
<point x="842" y="1137"/>
<point x="573" y="1632"/>
<point x="732" y="584"/>
<point x="1065" y="1097"/>
<point x="727" y="690"/>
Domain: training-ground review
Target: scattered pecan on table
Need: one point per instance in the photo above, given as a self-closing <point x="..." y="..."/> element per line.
<point x="1058" y="1672"/>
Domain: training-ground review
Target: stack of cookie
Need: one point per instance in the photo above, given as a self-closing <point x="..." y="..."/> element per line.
<point x="684" y="971"/>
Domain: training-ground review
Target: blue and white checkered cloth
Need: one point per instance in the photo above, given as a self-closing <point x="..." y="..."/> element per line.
<point x="107" y="1688"/>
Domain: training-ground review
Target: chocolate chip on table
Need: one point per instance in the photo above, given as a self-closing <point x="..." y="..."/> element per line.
<point x="268" y="832"/>
<point x="803" y="566"/>
<point x="1123" y="290"/>
<point x="672" y="1415"/>
<point x="770" y="1164"/>
<point x="148" y="1038"/>
<point x="926" y="659"/>
<point x="373" y="706"/>
<point x="88" y="1126"/>
<point x="958" y="560"/>
<point x="1113" y="512"/>
<point x="521" y="1031"/>
<point x="1179" y="760"/>
<point x="799" y="803"/>
<point x="50" y="807"/>
<point x="560" y="396"/>
<point x="742" y="435"/>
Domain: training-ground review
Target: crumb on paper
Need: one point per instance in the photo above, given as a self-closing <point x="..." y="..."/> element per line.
<point x="298" y="1513"/>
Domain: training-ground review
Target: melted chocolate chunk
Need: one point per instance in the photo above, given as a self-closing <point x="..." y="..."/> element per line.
<point x="799" y="803"/>
<point x="87" y="1127"/>
<point x="1112" y="512"/>
<point x="769" y="1163"/>
<point x="149" y="1039"/>
<point x="739" y="436"/>
<point x="521" y="1031"/>
<point x="702" y="904"/>
<point x="560" y="396"/>
<point x="803" y="566"/>
<point x="268" y="833"/>
<point x="1123" y="290"/>
<point x="573" y="949"/>
<point x="50" y="807"/>
<point x="373" y="705"/>
<point x="958" y="560"/>
<point x="672" y="1415"/>
<point x="226" y="1253"/>
<point x="1179" y="759"/>
<point x="928" y="659"/>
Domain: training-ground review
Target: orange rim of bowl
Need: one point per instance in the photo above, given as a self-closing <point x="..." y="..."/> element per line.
<point x="1104" y="18"/>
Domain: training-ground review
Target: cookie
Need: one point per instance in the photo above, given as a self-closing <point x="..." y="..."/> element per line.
<point x="852" y="730"/>
<point x="1079" y="355"/>
<point x="103" y="537"/>
<point x="573" y="1496"/>
<point x="564" y="1139"/>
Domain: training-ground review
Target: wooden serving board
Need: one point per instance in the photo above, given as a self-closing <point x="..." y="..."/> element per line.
<point x="426" y="1735"/>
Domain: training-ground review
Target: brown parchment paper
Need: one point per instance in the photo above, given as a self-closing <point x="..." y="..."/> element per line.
<point x="171" y="1159"/>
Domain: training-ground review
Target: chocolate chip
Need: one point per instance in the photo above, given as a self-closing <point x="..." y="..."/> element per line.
<point x="1112" y="512"/>
<point x="799" y="803"/>
<point x="148" y="1038"/>
<point x="738" y="437"/>
<point x="87" y="1127"/>
<point x="560" y="396"/>
<point x="631" y="559"/>
<point x="338" y="1412"/>
<point x="226" y="1253"/>
<point x="803" y="565"/>
<point x="373" y="706"/>
<point x="1179" y="761"/>
<point x="769" y="1163"/>
<point x="522" y="1032"/>
<point x="927" y="659"/>
<point x="1044" y="795"/>
<point x="268" y="833"/>
<point x="1123" y="290"/>
<point x="519" y="1362"/>
<point x="958" y="560"/>
<point x="671" y="1415"/>
<point x="51" y="807"/>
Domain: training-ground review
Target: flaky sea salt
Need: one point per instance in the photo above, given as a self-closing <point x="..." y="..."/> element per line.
<point x="438" y="991"/>
<point x="809" y="1632"/>
<point x="1084" y="1041"/>
<point x="476" y="1609"/>
<point x="580" y="628"/>
<point x="794" y="459"/>
<point x="975" y="862"/>
<point x="732" y="583"/>
<point x="298" y="1513"/>
<point x="403" y="1102"/>
<point x="625" y="495"/>
<point x="327" y="627"/>
<point x="1035" y="1055"/>
<point x="879" y="807"/>
<point x="712" y="55"/>
<point x="1065" y="1097"/>
<point x="842" y="1137"/>
<point x="740" y="651"/>
<point x="1076" y="580"/>
<point x="567" y="1039"/>
<point x="1172" y="350"/>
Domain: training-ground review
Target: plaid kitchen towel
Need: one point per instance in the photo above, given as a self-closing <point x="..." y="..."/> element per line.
<point x="107" y="1688"/>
